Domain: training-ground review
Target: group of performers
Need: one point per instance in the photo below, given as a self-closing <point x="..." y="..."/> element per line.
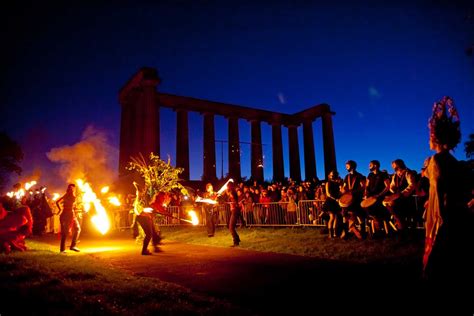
<point x="448" y="186"/>
<point x="144" y="215"/>
<point x="23" y="214"/>
<point x="349" y="202"/>
<point x="378" y="197"/>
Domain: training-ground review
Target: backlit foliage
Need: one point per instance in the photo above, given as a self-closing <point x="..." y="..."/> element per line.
<point x="158" y="176"/>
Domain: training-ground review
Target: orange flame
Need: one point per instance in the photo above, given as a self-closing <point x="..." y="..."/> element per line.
<point x="194" y="218"/>
<point x="207" y="201"/>
<point x="28" y="185"/>
<point x="100" y="220"/>
<point x="19" y="194"/>
<point x="224" y="187"/>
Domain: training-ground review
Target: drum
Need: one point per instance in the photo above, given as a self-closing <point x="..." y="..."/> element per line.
<point x="390" y="199"/>
<point x="345" y="200"/>
<point x="368" y="202"/>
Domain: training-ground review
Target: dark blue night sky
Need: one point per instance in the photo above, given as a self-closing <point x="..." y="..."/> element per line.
<point x="379" y="66"/>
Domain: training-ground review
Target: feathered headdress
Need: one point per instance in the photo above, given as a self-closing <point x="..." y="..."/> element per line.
<point x="444" y="124"/>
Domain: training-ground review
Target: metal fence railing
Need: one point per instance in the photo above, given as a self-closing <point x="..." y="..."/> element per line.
<point x="304" y="213"/>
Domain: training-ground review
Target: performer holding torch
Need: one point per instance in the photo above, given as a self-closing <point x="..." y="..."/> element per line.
<point x="210" y="206"/>
<point x="210" y="210"/>
<point x="144" y="217"/>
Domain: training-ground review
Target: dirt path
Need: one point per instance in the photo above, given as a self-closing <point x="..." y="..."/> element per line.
<point x="266" y="283"/>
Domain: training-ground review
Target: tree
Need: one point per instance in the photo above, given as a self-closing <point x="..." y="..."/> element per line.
<point x="158" y="176"/>
<point x="469" y="147"/>
<point x="11" y="155"/>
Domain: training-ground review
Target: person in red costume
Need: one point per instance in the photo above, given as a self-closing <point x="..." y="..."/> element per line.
<point x="145" y="218"/>
<point x="15" y="226"/>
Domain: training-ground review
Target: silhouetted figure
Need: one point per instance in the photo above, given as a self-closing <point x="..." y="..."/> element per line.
<point x="68" y="219"/>
<point x="449" y="223"/>
<point x="210" y="210"/>
<point x="331" y="205"/>
<point x="376" y="187"/>
<point x="353" y="213"/>
<point x="401" y="202"/>
<point x="41" y="211"/>
<point x="234" y="213"/>
<point x="144" y="217"/>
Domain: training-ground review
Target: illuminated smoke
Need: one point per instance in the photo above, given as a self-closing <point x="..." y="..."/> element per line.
<point x="92" y="158"/>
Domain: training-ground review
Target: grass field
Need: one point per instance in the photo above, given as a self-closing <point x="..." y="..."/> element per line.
<point x="308" y="241"/>
<point x="40" y="281"/>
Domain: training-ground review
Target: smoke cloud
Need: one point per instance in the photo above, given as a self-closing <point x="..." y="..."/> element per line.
<point x="92" y="159"/>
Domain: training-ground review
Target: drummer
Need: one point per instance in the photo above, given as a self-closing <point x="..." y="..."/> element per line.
<point x="353" y="184"/>
<point x="402" y="185"/>
<point x="377" y="186"/>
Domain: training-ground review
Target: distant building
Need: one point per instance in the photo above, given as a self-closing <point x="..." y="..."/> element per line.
<point x="140" y="131"/>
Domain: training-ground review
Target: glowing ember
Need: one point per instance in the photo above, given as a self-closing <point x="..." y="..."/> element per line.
<point x="100" y="220"/>
<point x="114" y="201"/>
<point x="104" y="190"/>
<point x="194" y="218"/>
<point x="28" y="185"/>
<point x="55" y="196"/>
<point x="19" y="194"/>
<point x="148" y="210"/>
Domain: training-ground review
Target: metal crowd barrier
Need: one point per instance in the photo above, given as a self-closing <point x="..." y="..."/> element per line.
<point x="307" y="213"/>
<point x="310" y="212"/>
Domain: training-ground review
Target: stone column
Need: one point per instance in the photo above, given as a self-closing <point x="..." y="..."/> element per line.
<point x="150" y="123"/>
<point x="182" y="143"/>
<point x="309" y="155"/>
<point x="328" y="144"/>
<point x="256" y="151"/>
<point x="295" y="168"/>
<point x="127" y="136"/>
<point x="209" y="168"/>
<point x="277" y="153"/>
<point x="234" y="149"/>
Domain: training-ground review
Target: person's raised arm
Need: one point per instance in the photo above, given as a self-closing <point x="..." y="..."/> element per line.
<point x="58" y="204"/>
